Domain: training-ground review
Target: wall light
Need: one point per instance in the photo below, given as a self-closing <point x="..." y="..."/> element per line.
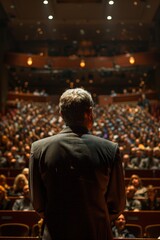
<point x="132" y="60"/>
<point x="29" y="61"/>
<point x="82" y="63"/>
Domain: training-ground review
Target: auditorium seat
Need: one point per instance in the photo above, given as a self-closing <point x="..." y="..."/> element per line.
<point x="26" y="217"/>
<point x="37" y="229"/>
<point x="152" y="231"/>
<point x="135" y="229"/>
<point x="14" y="229"/>
<point x="142" y="218"/>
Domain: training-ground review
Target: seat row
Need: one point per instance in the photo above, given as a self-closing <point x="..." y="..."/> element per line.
<point x="141" y="218"/>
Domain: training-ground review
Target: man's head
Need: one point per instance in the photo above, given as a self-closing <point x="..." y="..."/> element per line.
<point x="76" y="107"/>
<point x="130" y="192"/>
<point x="26" y="192"/>
<point x="120" y="223"/>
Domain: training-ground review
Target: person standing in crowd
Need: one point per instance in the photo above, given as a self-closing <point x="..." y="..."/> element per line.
<point x="76" y="178"/>
<point x="120" y="230"/>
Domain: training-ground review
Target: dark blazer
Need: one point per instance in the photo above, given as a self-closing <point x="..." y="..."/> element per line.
<point x="77" y="180"/>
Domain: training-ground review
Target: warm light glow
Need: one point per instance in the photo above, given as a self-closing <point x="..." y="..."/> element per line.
<point x="109" y="17"/>
<point x="132" y="60"/>
<point x="45" y="2"/>
<point x="82" y="63"/>
<point x="111" y="2"/>
<point x="29" y="61"/>
<point x="50" y="17"/>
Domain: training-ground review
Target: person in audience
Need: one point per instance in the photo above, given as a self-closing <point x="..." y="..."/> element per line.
<point x="144" y="102"/>
<point x="141" y="191"/>
<point x="156" y="152"/>
<point x="120" y="230"/>
<point x="25" y="171"/>
<point x="24" y="203"/>
<point x="151" y="202"/>
<point x="135" y="161"/>
<point x="132" y="203"/>
<point x="5" y="202"/>
<point x="76" y="178"/>
<point x="126" y="162"/>
<point x="19" y="182"/>
<point x="150" y="162"/>
<point x="3" y="183"/>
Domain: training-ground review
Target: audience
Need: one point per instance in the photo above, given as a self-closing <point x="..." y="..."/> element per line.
<point x="151" y="202"/>
<point x="136" y="160"/>
<point x="149" y="162"/>
<point x="3" y="183"/>
<point x="133" y="127"/>
<point x="120" y="230"/>
<point x="132" y="203"/>
<point x="5" y="202"/>
<point x="140" y="190"/>
<point x="19" y="182"/>
<point x="25" y="171"/>
<point x="126" y="163"/>
<point x="23" y="203"/>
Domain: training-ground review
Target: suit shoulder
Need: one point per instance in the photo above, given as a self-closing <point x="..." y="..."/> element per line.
<point x="103" y="141"/>
<point x="43" y="143"/>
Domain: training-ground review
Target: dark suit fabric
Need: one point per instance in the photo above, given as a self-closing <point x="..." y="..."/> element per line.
<point x="76" y="179"/>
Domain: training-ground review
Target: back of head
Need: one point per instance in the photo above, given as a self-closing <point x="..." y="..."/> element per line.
<point x="73" y="105"/>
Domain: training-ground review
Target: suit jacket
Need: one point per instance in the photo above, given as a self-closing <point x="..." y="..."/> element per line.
<point x="76" y="180"/>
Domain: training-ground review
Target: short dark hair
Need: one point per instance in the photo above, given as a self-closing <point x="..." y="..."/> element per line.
<point x="73" y="104"/>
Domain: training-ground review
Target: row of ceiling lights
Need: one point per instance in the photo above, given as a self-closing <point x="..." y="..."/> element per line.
<point x="50" y="17"/>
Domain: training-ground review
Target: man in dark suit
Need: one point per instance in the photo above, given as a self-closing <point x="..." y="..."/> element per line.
<point x="76" y="179"/>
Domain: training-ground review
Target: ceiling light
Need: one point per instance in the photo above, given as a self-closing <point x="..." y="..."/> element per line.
<point x="45" y="2"/>
<point x="135" y="3"/>
<point x="12" y="6"/>
<point x="82" y="32"/>
<point x="50" y="17"/>
<point x="111" y="2"/>
<point x="109" y="17"/>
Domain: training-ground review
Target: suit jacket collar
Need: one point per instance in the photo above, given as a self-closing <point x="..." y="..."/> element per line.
<point x="75" y="129"/>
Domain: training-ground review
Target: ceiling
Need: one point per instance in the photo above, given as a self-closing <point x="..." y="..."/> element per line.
<point x="81" y="27"/>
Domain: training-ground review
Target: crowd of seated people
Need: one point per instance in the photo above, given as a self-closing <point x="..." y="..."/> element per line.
<point x="136" y="131"/>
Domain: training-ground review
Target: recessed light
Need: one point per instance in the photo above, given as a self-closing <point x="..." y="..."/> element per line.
<point x="109" y="17"/>
<point x="82" y="32"/>
<point x="12" y="6"/>
<point x="45" y="2"/>
<point x="111" y="2"/>
<point x="50" y="17"/>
